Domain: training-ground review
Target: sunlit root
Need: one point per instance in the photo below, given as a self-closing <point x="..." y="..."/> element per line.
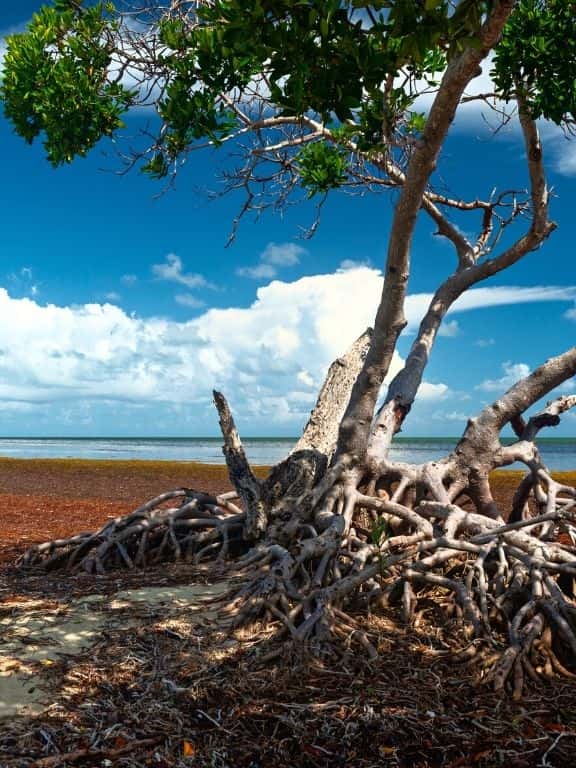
<point x="324" y="540"/>
<point x="179" y="525"/>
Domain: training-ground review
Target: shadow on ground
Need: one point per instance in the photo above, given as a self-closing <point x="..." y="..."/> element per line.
<point x="128" y="671"/>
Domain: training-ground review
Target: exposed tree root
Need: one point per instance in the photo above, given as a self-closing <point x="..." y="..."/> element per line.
<point x="178" y="525"/>
<point x="318" y="542"/>
<point x="509" y="585"/>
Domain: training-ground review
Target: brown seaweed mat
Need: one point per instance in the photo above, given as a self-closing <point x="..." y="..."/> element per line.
<point x="162" y="680"/>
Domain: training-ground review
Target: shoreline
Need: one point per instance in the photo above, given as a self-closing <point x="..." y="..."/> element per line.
<point x="210" y="467"/>
<point x="46" y="498"/>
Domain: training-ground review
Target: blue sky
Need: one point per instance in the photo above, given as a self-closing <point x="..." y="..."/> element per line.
<point x="121" y="310"/>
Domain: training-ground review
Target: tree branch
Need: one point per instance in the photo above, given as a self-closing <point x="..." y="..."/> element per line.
<point x="390" y="321"/>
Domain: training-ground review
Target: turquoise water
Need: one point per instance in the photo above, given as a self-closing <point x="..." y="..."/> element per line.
<point x="558" y="453"/>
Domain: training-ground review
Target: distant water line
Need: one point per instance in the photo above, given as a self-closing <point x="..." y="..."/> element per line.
<point x="558" y="453"/>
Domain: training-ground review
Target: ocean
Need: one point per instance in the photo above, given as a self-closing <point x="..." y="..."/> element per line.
<point x="558" y="453"/>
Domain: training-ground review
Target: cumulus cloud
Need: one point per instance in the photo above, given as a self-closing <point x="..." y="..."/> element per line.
<point x="274" y="256"/>
<point x="269" y="357"/>
<point x="172" y="271"/>
<point x="428" y="391"/>
<point x="570" y="314"/>
<point x="128" y="279"/>
<point x="513" y="372"/>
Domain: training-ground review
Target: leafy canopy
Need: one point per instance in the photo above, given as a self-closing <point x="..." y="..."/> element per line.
<point x="354" y="66"/>
<point x="56" y="80"/>
<point x="538" y="56"/>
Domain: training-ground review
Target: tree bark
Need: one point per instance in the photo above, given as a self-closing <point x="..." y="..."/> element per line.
<point x="390" y="320"/>
<point x="404" y="387"/>
<point x="479" y="451"/>
<point x="240" y="472"/>
<point x="309" y="458"/>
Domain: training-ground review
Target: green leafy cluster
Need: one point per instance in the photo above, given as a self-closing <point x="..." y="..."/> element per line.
<point x="330" y="58"/>
<point x="379" y="531"/>
<point x="318" y="59"/>
<point x="537" y="55"/>
<point x="322" y="167"/>
<point x="56" y="83"/>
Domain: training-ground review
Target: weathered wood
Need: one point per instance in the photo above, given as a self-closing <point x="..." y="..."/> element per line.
<point x="321" y="431"/>
<point x="308" y="460"/>
<point x="241" y="476"/>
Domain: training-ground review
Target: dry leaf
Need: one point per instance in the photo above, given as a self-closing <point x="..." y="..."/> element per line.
<point x="188" y="749"/>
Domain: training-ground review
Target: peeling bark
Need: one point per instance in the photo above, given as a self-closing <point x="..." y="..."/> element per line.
<point x="309" y="458"/>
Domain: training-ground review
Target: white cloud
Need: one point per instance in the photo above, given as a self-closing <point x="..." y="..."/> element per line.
<point x="347" y="264"/>
<point x="112" y="296"/>
<point x="561" y="148"/>
<point x="171" y="270"/>
<point x="129" y="279"/>
<point x="570" y="314"/>
<point x="268" y="358"/>
<point x="259" y="272"/>
<point x="481" y="298"/>
<point x="513" y="372"/>
<point x="428" y="391"/>
<point x="459" y="416"/>
<point x="282" y="254"/>
<point x="306" y="378"/>
<point x="506" y="295"/>
<point x="449" y="329"/>
<point x="483" y="343"/>
<point x="187" y="300"/>
<point x="275" y="255"/>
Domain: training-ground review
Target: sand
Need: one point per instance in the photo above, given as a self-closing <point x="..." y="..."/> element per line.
<point x="37" y="633"/>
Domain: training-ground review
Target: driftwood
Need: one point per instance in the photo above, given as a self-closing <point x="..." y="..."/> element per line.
<point x="338" y="525"/>
<point x="91" y="755"/>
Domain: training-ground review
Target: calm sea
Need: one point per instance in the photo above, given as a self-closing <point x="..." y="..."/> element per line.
<point x="558" y="453"/>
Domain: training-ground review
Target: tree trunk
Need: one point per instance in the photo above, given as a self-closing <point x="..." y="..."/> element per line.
<point x="390" y="321"/>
